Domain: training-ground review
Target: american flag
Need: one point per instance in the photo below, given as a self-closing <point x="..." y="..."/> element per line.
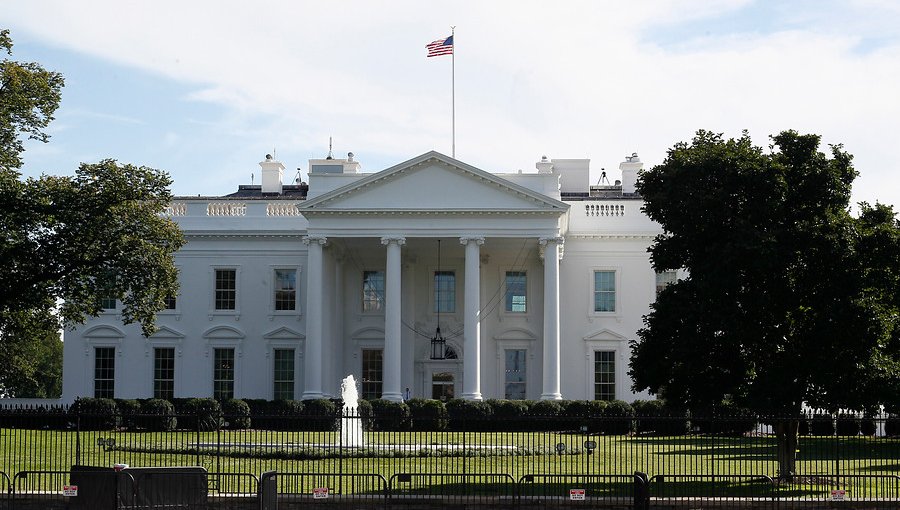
<point x="440" y="47"/>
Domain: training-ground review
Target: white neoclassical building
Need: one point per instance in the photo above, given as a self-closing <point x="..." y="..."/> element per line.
<point x="431" y="279"/>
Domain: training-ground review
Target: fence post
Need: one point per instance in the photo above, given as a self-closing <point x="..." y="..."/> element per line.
<point x="641" y="491"/>
<point x="268" y="491"/>
<point x="77" y="437"/>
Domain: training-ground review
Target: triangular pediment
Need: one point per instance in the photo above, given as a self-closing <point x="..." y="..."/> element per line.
<point x="433" y="182"/>
<point x="284" y="333"/>
<point x="605" y="334"/>
<point x="166" y="332"/>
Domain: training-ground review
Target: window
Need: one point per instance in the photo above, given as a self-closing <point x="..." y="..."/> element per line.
<point x="284" y="374"/>
<point x="171" y="303"/>
<point x="604" y="291"/>
<point x="604" y="375"/>
<point x="515" y="291"/>
<point x="164" y="373"/>
<point x="664" y="279"/>
<point x="285" y="289"/>
<point x="372" y="370"/>
<point x="226" y="289"/>
<point x="108" y="302"/>
<point x="104" y="372"/>
<point x="373" y="291"/>
<point x="515" y="374"/>
<point x="442" y="386"/>
<point x="223" y="374"/>
<point x="445" y="291"/>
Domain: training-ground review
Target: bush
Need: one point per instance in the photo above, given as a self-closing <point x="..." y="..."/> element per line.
<point x="320" y="415"/>
<point x="281" y="415"/>
<point x="654" y="417"/>
<point x="727" y="420"/>
<point x="585" y="415"/>
<point x="237" y="414"/>
<point x="847" y="425"/>
<point x="427" y="414"/>
<point x="508" y="414"/>
<point x="469" y="414"/>
<point x="892" y="425"/>
<point x="129" y="409"/>
<point x="158" y="415"/>
<point x="96" y="413"/>
<point x="821" y="425"/>
<point x="202" y="414"/>
<point x="867" y="426"/>
<point x="364" y="408"/>
<point x="618" y="418"/>
<point x="542" y="415"/>
<point x="389" y="416"/>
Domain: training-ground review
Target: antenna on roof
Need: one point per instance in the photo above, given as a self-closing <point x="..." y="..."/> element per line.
<point x="251" y="178"/>
<point x="603" y="176"/>
<point x="330" y="155"/>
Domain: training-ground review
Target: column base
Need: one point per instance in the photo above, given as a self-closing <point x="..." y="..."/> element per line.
<point x="551" y="396"/>
<point x="392" y="397"/>
<point x="312" y="395"/>
<point x="472" y="396"/>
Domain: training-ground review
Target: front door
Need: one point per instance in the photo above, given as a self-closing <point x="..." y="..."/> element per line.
<point x="442" y="386"/>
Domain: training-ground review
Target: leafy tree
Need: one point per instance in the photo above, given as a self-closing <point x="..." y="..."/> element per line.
<point x="68" y="242"/>
<point x="788" y="298"/>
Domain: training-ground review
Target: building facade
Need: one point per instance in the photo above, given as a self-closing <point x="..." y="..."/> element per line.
<point x="430" y="279"/>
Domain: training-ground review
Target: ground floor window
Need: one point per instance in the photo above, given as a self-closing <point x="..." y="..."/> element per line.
<point x="223" y="374"/>
<point x="104" y="372"/>
<point x="164" y="373"/>
<point x="604" y="375"/>
<point x="284" y="374"/>
<point x="442" y="386"/>
<point x="372" y="373"/>
<point x="515" y="374"/>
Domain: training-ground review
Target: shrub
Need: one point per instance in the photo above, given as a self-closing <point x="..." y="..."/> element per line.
<point x="847" y="425"/>
<point x="585" y="415"/>
<point x="469" y="414"/>
<point x="726" y="420"/>
<point x="821" y="425"/>
<point x="867" y="426"/>
<point x="320" y="414"/>
<point x="158" y="415"/>
<point x="618" y="418"/>
<point x="96" y="413"/>
<point x="129" y="409"/>
<point x="892" y="425"/>
<point x="654" y="417"/>
<point x="542" y="415"/>
<point x="508" y="414"/>
<point x="202" y="414"/>
<point x="237" y="414"/>
<point x="364" y="408"/>
<point x="388" y="415"/>
<point x="427" y="414"/>
<point x="281" y="415"/>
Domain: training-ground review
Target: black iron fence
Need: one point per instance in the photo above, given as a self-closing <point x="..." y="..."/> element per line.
<point x="372" y="457"/>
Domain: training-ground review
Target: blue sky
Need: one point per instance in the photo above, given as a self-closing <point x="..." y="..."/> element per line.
<point x="204" y="90"/>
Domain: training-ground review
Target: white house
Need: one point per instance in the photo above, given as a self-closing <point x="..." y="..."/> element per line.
<point x="536" y="280"/>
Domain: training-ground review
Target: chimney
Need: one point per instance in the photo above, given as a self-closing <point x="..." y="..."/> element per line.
<point x="544" y="166"/>
<point x="272" y="175"/>
<point x="630" y="168"/>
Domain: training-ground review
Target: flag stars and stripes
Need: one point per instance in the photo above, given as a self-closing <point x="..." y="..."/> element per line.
<point x="440" y="47"/>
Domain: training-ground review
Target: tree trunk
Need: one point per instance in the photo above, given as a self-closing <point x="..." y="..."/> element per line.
<point x="786" y="433"/>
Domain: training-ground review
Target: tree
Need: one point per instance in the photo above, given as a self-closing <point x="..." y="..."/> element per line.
<point x="68" y="242"/>
<point x="788" y="299"/>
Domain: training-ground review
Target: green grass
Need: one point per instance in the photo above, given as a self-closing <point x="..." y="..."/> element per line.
<point x="736" y="460"/>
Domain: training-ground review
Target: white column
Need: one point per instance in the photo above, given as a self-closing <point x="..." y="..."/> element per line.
<point x="471" y="318"/>
<point x="391" y="389"/>
<point x="551" y="248"/>
<point x="312" y="355"/>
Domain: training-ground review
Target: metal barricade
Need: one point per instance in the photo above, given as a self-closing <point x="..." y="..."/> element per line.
<point x="454" y="488"/>
<point x="722" y="489"/>
<point x="363" y="490"/>
<point x="598" y="489"/>
<point x="232" y="484"/>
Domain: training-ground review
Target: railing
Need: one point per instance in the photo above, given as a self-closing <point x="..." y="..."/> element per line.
<point x="226" y="209"/>
<point x="604" y="209"/>
<point x="282" y="209"/>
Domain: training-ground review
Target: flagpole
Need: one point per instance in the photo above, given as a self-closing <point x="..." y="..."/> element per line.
<point x="453" y="88"/>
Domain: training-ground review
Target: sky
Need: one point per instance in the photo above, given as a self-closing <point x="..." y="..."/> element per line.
<point x="205" y="89"/>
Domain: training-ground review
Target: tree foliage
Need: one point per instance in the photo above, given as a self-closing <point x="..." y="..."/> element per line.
<point x="788" y="298"/>
<point x="68" y="242"/>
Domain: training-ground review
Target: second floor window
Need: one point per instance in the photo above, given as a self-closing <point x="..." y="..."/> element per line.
<point x="664" y="279"/>
<point x="445" y="291"/>
<point x="373" y="291"/>
<point x="515" y="291"/>
<point x="285" y="289"/>
<point x="604" y="291"/>
<point x="226" y="289"/>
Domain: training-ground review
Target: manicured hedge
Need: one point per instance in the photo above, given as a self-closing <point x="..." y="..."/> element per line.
<point x="96" y="414"/>
<point x="470" y="415"/>
<point x="157" y="415"/>
<point x="236" y="414"/>
<point x="320" y="415"/>
<point x="427" y="414"/>
<point x="389" y="416"/>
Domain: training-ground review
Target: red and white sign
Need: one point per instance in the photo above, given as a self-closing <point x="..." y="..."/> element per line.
<point x="320" y="493"/>
<point x="576" y="494"/>
<point x="70" y="490"/>
<point x="838" y="494"/>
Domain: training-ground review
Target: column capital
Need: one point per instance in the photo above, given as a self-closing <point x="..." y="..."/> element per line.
<point x="315" y="238"/>
<point x="468" y="239"/>
<point x="551" y="239"/>
<point x="386" y="240"/>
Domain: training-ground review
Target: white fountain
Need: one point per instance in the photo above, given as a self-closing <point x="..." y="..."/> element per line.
<point x="351" y="423"/>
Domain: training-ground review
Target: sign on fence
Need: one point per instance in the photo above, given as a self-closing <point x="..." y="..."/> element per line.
<point x="576" y="494"/>
<point x="320" y="493"/>
<point x="70" y="491"/>
<point x="838" y="494"/>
